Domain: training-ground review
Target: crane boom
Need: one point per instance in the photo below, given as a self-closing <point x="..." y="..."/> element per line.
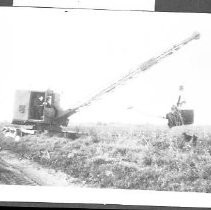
<point x="130" y="75"/>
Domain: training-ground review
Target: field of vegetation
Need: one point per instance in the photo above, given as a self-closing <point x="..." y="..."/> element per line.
<point x="126" y="157"/>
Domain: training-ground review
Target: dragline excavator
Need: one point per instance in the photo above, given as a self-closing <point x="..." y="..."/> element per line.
<point x="37" y="111"/>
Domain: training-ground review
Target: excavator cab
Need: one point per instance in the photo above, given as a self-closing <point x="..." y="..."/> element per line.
<point x="34" y="107"/>
<point x="38" y="111"/>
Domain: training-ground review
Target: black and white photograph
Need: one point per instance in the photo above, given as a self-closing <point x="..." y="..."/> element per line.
<point x="104" y="101"/>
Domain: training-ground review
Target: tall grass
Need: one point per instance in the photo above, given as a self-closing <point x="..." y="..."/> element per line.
<point x="135" y="157"/>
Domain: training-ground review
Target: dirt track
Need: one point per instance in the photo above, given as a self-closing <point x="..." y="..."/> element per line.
<point x="16" y="171"/>
<point x="12" y="176"/>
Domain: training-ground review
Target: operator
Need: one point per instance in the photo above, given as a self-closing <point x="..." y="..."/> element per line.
<point x="50" y="107"/>
<point x="38" y="107"/>
<point x="48" y="102"/>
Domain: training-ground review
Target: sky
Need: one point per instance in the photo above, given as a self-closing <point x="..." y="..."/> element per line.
<point x="78" y="53"/>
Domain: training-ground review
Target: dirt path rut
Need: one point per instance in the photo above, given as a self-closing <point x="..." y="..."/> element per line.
<point x="16" y="171"/>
